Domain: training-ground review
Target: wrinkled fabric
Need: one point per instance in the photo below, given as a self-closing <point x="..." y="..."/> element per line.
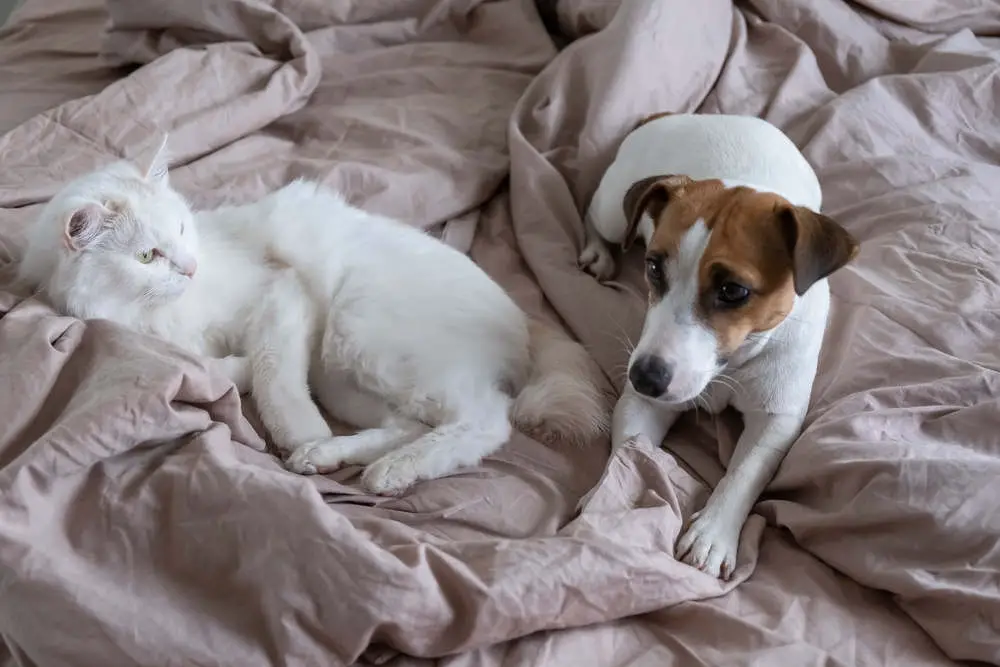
<point x="143" y="522"/>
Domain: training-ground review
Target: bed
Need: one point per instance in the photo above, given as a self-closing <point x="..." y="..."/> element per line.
<point x="142" y="521"/>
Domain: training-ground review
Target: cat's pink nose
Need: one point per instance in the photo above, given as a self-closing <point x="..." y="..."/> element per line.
<point x="188" y="268"/>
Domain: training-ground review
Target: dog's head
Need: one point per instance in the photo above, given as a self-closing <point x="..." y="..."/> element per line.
<point x="722" y="264"/>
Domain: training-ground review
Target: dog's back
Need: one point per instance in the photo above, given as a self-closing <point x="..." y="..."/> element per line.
<point x="735" y="148"/>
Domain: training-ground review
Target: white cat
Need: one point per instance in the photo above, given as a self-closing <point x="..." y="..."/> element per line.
<point x="393" y="331"/>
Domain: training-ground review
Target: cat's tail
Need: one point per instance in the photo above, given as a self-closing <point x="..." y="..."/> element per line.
<point x="561" y="398"/>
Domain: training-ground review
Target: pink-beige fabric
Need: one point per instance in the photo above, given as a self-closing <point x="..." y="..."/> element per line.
<point x="142" y="522"/>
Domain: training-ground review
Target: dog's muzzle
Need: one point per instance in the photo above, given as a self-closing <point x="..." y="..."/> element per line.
<point x="650" y="375"/>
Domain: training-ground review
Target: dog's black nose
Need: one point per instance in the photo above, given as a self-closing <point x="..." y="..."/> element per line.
<point x="650" y="375"/>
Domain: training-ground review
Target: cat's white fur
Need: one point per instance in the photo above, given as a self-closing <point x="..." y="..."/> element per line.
<point x="393" y="331"/>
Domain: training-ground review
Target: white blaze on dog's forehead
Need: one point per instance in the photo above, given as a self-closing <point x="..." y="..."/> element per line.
<point x="678" y="304"/>
<point x="682" y="265"/>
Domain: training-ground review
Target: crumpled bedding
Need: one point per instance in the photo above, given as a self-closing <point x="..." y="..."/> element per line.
<point x="143" y="522"/>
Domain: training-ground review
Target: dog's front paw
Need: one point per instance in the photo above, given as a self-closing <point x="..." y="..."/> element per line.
<point x="710" y="544"/>
<point x="596" y="260"/>
<point x="639" y="441"/>
<point x="390" y="475"/>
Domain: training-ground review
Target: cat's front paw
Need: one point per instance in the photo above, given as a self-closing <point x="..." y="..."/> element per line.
<point x="312" y="458"/>
<point x="391" y="475"/>
<point x="299" y="461"/>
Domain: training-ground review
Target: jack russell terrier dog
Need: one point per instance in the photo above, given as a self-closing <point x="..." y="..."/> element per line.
<point x="737" y="257"/>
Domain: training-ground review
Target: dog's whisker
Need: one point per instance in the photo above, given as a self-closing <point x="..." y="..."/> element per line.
<point x="728" y="384"/>
<point x="621" y="329"/>
<point x="622" y="338"/>
<point x="693" y="405"/>
<point x="620" y="371"/>
<point x="731" y="382"/>
<point x="625" y="342"/>
<point x="723" y="382"/>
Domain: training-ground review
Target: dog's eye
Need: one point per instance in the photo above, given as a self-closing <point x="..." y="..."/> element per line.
<point x="733" y="294"/>
<point x="654" y="270"/>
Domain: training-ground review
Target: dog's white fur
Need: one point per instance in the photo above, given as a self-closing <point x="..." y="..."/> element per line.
<point x="395" y="332"/>
<point x="769" y="379"/>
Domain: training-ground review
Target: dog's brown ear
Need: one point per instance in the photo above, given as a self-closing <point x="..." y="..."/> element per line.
<point x="817" y="244"/>
<point x="649" y="195"/>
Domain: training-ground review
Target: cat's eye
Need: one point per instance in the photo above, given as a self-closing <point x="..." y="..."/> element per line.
<point x="145" y="256"/>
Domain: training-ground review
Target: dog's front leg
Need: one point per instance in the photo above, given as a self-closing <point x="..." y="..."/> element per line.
<point x="712" y="538"/>
<point x="638" y="418"/>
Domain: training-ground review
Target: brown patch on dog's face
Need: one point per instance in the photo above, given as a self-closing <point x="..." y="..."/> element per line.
<point x="746" y="270"/>
<point x="761" y="252"/>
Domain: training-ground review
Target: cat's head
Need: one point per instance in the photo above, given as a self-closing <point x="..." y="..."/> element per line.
<point x="116" y="239"/>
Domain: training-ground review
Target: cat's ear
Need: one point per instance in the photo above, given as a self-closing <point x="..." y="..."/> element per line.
<point x="84" y="225"/>
<point x="155" y="170"/>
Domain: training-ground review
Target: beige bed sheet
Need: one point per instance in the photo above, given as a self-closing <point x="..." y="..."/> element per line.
<point x="140" y="522"/>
